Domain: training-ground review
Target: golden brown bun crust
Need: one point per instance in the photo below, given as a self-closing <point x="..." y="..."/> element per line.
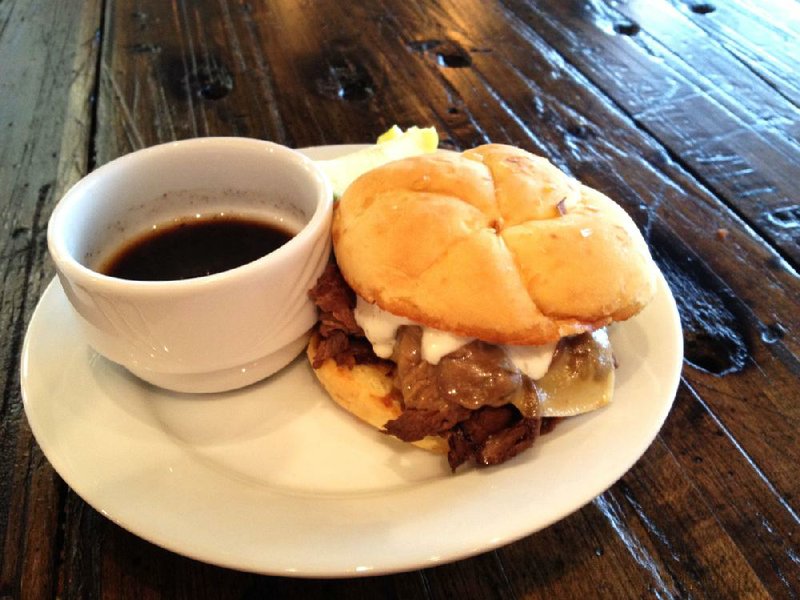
<point x="366" y="392"/>
<point x="494" y="243"/>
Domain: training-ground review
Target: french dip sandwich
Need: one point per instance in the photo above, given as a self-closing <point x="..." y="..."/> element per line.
<point x="467" y="307"/>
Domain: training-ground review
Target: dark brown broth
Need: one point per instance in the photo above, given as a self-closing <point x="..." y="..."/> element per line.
<point x="195" y="248"/>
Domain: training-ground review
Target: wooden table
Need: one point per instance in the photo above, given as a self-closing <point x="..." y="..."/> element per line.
<point x="686" y="112"/>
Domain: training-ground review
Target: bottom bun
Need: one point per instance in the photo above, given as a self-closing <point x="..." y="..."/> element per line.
<point x="366" y="392"/>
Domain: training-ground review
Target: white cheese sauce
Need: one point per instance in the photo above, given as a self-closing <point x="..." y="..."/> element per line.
<point x="380" y="328"/>
<point x="532" y="360"/>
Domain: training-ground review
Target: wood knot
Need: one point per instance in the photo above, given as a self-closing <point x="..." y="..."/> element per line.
<point x="446" y="53"/>
<point x="343" y="77"/>
<point x="211" y="80"/>
<point x="711" y="316"/>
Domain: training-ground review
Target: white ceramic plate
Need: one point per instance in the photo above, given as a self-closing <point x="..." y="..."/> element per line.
<point x="277" y="479"/>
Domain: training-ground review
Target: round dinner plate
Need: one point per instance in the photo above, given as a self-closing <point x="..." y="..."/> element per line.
<point x="275" y="478"/>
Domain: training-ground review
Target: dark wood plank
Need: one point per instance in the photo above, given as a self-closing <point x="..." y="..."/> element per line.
<point x="177" y="71"/>
<point x="763" y="35"/>
<point x="649" y="536"/>
<point x="107" y="562"/>
<point x="738" y="494"/>
<point x="658" y="504"/>
<point x="47" y="52"/>
<point x="171" y="72"/>
<point x="729" y="128"/>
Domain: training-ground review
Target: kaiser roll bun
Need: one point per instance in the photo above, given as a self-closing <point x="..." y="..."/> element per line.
<point x="494" y="243"/>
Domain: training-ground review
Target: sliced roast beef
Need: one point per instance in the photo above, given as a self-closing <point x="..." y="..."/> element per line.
<point x="414" y="424"/>
<point x="336" y="302"/>
<point x="466" y="397"/>
<point x="425" y="410"/>
<point x="491" y="435"/>
<point x="346" y="350"/>
<point x="415" y="378"/>
<point x="340" y="337"/>
<point x="479" y="374"/>
<point x="330" y="347"/>
<point x="509" y="442"/>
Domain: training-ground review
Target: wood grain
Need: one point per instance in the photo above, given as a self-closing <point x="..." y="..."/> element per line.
<point x="685" y="112"/>
<point x="729" y="128"/>
<point x="47" y="52"/>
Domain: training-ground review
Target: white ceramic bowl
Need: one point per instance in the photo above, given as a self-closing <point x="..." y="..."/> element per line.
<point x="206" y="334"/>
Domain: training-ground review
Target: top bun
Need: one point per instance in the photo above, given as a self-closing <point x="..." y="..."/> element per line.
<point x="495" y="243"/>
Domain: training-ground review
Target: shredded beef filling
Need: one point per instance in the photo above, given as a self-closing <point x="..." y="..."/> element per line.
<point x="475" y="397"/>
<point x="466" y="397"/>
<point x="426" y="411"/>
<point x="340" y="336"/>
<point x="491" y="436"/>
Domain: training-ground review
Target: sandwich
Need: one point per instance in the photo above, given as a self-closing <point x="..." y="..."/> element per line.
<point x="466" y="311"/>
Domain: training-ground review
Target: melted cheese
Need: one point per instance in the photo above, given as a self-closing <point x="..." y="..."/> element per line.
<point x="380" y="328"/>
